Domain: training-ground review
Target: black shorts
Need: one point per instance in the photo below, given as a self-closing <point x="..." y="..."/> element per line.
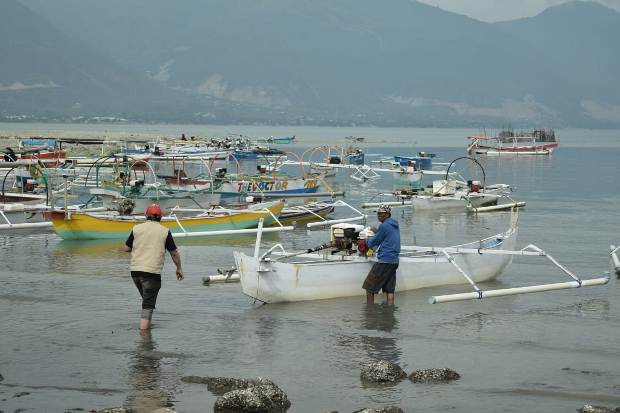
<point x="382" y="276"/>
<point x="148" y="284"/>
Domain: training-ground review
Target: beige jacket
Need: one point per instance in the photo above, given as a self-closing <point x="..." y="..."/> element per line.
<point x="149" y="247"/>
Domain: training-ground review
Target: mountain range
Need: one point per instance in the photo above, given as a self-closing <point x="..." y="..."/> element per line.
<point x="331" y="62"/>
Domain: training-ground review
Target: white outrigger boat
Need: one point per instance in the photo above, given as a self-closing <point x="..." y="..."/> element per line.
<point x="278" y="276"/>
<point x="615" y="261"/>
<point x="446" y="196"/>
<point x="452" y="193"/>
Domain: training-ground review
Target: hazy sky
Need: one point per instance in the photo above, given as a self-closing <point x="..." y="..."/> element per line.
<point x="496" y="10"/>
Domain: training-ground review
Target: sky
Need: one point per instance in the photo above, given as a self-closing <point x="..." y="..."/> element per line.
<point x="498" y="10"/>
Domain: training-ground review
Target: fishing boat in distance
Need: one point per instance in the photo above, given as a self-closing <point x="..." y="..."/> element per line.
<point x="508" y="143"/>
<point x="279" y="276"/>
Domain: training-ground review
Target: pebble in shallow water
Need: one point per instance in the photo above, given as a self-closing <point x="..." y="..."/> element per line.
<point x="442" y="375"/>
<point x="382" y="371"/>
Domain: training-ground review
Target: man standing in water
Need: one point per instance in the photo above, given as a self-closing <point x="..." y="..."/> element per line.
<point x="148" y="243"/>
<point x="382" y="275"/>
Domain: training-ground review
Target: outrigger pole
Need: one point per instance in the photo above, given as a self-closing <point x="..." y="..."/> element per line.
<point x="530" y="250"/>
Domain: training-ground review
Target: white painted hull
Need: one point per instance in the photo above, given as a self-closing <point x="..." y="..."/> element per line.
<point x="494" y="152"/>
<point x="452" y="202"/>
<point x="410" y="177"/>
<point x="315" y="277"/>
<point x="270" y="186"/>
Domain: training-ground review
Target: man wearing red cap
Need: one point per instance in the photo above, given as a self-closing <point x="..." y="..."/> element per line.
<point x="148" y="243"/>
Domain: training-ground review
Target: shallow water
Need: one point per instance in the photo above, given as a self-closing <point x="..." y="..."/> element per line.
<point x="69" y="335"/>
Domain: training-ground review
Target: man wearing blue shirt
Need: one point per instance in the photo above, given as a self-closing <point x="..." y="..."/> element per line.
<point x="382" y="275"/>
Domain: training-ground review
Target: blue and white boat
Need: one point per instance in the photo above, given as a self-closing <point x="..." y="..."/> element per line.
<point x="422" y="161"/>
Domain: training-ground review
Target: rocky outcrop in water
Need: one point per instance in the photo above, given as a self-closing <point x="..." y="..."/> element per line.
<point x="442" y="375"/>
<point x="221" y="385"/>
<point x="263" y="398"/>
<point x="587" y="408"/>
<point x="388" y="409"/>
<point x="382" y="371"/>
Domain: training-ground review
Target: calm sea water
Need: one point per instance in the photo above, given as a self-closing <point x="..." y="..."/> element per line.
<point x="68" y="329"/>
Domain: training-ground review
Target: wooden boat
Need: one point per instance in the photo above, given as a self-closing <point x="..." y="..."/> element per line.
<point x="258" y="185"/>
<point x="276" y="276"/>
<point x="319" y="276"/>
<point x="305" y="213"/>
<point x="447" y="195"/>
<point x="355" y="157"/>
<point x="145" y="194"/>
<point x="507" y="143"/>
<point x="276" y="140"/>
<point x="107" y="226"/>
<point x="421" y="161"/>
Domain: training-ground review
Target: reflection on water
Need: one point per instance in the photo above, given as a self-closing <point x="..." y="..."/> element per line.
<point x="146" y="390"/>
<point x="590" y="308"/>
<point x="380" y="318"/>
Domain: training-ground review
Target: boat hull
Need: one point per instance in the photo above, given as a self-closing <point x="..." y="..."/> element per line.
<point x="91" y="226"/>
<point x="272" y="281"/>
<point x="443" y="203"/>
<point x="269" y="186"/>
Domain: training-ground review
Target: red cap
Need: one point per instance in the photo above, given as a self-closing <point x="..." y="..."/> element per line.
<point x="153" y="210"/>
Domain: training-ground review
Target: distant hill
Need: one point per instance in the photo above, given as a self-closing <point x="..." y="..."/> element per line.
<point x="47" y="73"/>
<point x="389" y="62"/>
<point x="581" y="41"/>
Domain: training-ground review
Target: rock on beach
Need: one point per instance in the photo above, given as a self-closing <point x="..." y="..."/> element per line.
<point x="221" y="385"/>
<point x="441" y="375"/>
<point x="587" y="408"/>
<point x="382" y="371"/>
<point x="264" y="398"/>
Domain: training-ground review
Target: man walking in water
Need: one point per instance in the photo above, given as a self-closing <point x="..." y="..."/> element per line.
<point x="382" y="275"/>
<point x="148" y="243"/>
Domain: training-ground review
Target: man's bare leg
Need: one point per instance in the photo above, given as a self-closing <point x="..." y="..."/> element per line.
<point x="370" y="297"/>
<point x="145" y="319"/>
<point x="145" y="324"/>
<point x="390" y="298"/>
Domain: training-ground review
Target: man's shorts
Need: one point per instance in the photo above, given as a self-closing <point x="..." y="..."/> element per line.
<point x="382" y="276"/>
<point x="148" y="284"/>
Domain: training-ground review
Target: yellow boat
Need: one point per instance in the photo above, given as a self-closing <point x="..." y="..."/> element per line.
<point x="100" y="226"/>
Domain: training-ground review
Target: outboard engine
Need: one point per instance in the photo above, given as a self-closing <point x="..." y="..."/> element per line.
<point x="125" y="206"/>
<point x="345" y="237"/>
